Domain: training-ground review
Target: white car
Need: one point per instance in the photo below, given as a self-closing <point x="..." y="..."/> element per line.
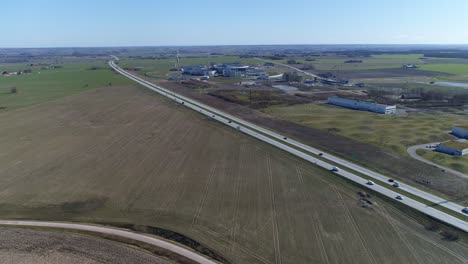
<point x="334" y="169"/>
<point x="370" y="183"/>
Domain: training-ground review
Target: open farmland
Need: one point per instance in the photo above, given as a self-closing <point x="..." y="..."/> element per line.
<point x="43" y="85"/>
<point x="456" y="69"/>
<point x="125" y="155"/>
<point x="54" y="247"/>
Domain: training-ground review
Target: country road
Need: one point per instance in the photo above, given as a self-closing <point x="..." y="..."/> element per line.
<point x="312" y="155"/>
<point x="116" y="232"/>
<point x="293" y="68"/>
<point x="412" y="152"/>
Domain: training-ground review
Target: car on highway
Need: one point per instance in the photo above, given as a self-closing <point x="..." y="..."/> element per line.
<point x="285" y="138"/>
<point x="369" y="182"/>
<point x="465" y="210"/>
<point x="391" y="180"/>
<point x="398" y="197"/>
<point x="320" y="154"/>
<point x="335" y="169"/>
<point x="395" y="184"/>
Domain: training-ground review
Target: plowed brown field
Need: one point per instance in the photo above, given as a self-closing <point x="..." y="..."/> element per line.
<point x="125" y="155"/>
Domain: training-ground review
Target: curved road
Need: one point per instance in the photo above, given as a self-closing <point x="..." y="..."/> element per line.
<point x="116" y="232"/>
<point x="312" y="155"/>
<point x="294" y="68"/>
<point x="412" y="152"/>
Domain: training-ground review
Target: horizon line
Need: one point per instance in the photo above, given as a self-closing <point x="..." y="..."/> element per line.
<point x="231" y="45"/>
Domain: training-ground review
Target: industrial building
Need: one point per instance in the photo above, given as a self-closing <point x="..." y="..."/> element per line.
<point x="197" y="70"/>
<point x="453" y="147"/>
<point x="460" y="131"/>
<point x="362" y="105"/>
<point x="227" y="70"/>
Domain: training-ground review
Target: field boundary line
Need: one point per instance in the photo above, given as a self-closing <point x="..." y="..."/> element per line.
<point x="202" y="201"/>
<point x="276" y="243"/>
<point x="354" y="225"/>
<point x="314" y="217"/>
<point x="401" y="235"/>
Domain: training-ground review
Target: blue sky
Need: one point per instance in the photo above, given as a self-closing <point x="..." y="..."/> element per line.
<point x="54" y="23"/>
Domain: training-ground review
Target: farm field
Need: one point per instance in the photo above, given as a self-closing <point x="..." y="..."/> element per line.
<point x="453" y="162"/>
<point x="121" y="154"/>
<point x="456" y="69"/>
<point x="44" y="85"/>
<point x="395" y="133"/>
<point x="54" y="247"/>
<point x="385" y="61"/>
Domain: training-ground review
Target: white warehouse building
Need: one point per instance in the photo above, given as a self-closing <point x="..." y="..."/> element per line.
<point x="460" y="131"/>
<point x="362" y="105"/>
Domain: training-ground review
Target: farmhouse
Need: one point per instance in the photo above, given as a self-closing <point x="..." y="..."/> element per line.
<point x="460" y="131"/>
<point x="362" y="105"/>
<point x="452" y="147"/>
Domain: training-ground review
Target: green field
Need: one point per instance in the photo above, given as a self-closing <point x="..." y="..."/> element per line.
<point x="44" y="85"/>
<point x="395" y="133"/>
<point x="368" y="63"/>
<point x="457" y="69"/>
<point x="459" y="163"/>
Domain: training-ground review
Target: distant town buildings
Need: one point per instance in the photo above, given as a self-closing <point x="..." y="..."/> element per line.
<point x="199" y="70"/>
<point x="460" y="131"/>
<point x="362" y="105"/>
<point x="233" y="70"/>
<point x="453" y="147"/>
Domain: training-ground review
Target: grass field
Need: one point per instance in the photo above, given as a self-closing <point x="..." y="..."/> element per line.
<point x="122" y="154"/>
<point x="384" y="61"/>
<point x="45" y="85"/>
<point x="457" y="69"/>
<point x="395" y="133"/>
<point x="454" y="162"/>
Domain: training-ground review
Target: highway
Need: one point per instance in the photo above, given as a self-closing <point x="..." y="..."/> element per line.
<point x="312" y="155"/>
<point x="152" y="240"/>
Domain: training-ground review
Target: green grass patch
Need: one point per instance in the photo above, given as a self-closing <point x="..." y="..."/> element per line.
<point x="458" y="163"/>
<point x="394" y="133"/>
<point x="44" y="85"/>
<point x="457" y="69"/>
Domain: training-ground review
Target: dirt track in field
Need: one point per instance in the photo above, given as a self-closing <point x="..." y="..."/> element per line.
<point x="125" y="155"/>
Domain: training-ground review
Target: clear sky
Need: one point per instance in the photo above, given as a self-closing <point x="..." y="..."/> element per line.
<point x="62" y="23"/>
